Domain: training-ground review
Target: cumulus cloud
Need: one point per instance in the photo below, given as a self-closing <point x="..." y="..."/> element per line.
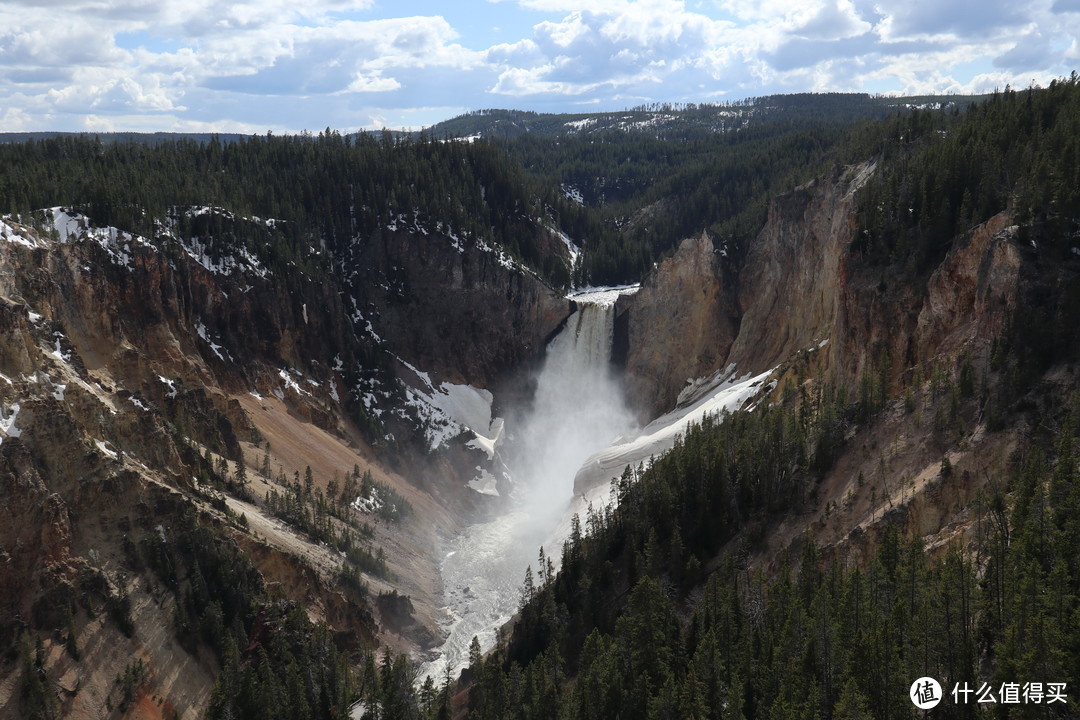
<point x="348" y="56"/>
<point x="614" y="46"/>
<point x="270" y="47"/>
<point x="958" y="18"/>
<point x="1033" y="50"/>
<point x="803" y="53"/>
<point x="834" y="20"/>
<point x="283" y="65"/>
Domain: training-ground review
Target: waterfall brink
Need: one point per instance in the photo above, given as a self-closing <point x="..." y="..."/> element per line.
<point x="577" y="409"/>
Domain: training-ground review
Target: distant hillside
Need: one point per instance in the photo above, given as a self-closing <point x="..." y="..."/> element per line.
<point x="689" y="121"/>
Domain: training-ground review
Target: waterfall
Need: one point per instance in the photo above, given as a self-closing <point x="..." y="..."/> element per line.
<point x="576" y="410"/>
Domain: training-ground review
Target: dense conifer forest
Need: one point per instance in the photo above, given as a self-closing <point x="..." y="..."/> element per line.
<point x="641" y="191"/>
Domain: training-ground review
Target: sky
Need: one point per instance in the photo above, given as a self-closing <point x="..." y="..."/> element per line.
<point x="287" y="66"/>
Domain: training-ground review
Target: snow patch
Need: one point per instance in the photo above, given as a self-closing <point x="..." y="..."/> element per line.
<point x="105" y="449"/>
<point x="579" y="125"/>
<point x="368" y="505"/>
<point x="488" y="441"/>
<point x="290" y="383"/>
<point x="722" y="393"/>
<point x="7" y="422"/>
<point x="200" y="328"/>
<point x="11" y="234"/>
<point x="450" y="409"/>
<point x="170" y="383"/>
<point x="573" y="251"/>
<point x="58" y="350"/>
<point x="573" y="193"/>
<point x="604" y="296"/>
<point x="484" y="483"/>
<point x="74" y="228"/>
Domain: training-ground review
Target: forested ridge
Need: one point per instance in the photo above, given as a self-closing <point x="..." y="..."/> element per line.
<point x="942" y="173"/>
<point x="642" y="190"/>
<point x="322" y="191"/>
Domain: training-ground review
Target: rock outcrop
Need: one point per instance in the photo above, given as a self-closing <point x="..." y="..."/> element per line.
<point x="888" y="327"/>
<point x="801" y="284"/>
<point x="701" y="311"/>
<point x="467" y="313"/>
<point x="789" y="282"/>
<point x="680" y="325"/>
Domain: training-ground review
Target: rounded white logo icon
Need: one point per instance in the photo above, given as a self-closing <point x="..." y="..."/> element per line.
<point x="925" y="693"/>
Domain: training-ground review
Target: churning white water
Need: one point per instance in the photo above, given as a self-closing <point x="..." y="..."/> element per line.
<point x="577" y="409"/>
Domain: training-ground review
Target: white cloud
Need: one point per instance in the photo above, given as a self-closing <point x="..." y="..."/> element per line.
<point x="279" y="64"/>
<point x="372" y="83"/>
<point x="523" y="53"/>
<point x="621" y="48"/>
<point x="960" y="19"/>
<point x="15" y="119"/>
<point x="836" y="19"/>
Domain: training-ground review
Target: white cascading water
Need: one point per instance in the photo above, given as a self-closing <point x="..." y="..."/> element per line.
<point x="577" y="409"/>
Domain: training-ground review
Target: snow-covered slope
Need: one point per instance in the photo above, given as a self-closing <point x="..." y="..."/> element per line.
<point x="724" y="392"/>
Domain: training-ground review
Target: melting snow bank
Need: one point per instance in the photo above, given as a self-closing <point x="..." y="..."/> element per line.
<point x="722" y="392"/>
<point x="7" y="421"/>
<point x="449" y="409"/>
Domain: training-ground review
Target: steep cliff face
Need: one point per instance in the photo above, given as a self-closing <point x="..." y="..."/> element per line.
<point x="887" y="327"/>
<point x="680" y="324"/>
<point x="801" y="284"/>
<point x="890" y="338"/>
<point x="468" y="313"/>
<point x="788" y="285"/>
<point x="921" y="461"/>
<point x="700" y="311"/>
